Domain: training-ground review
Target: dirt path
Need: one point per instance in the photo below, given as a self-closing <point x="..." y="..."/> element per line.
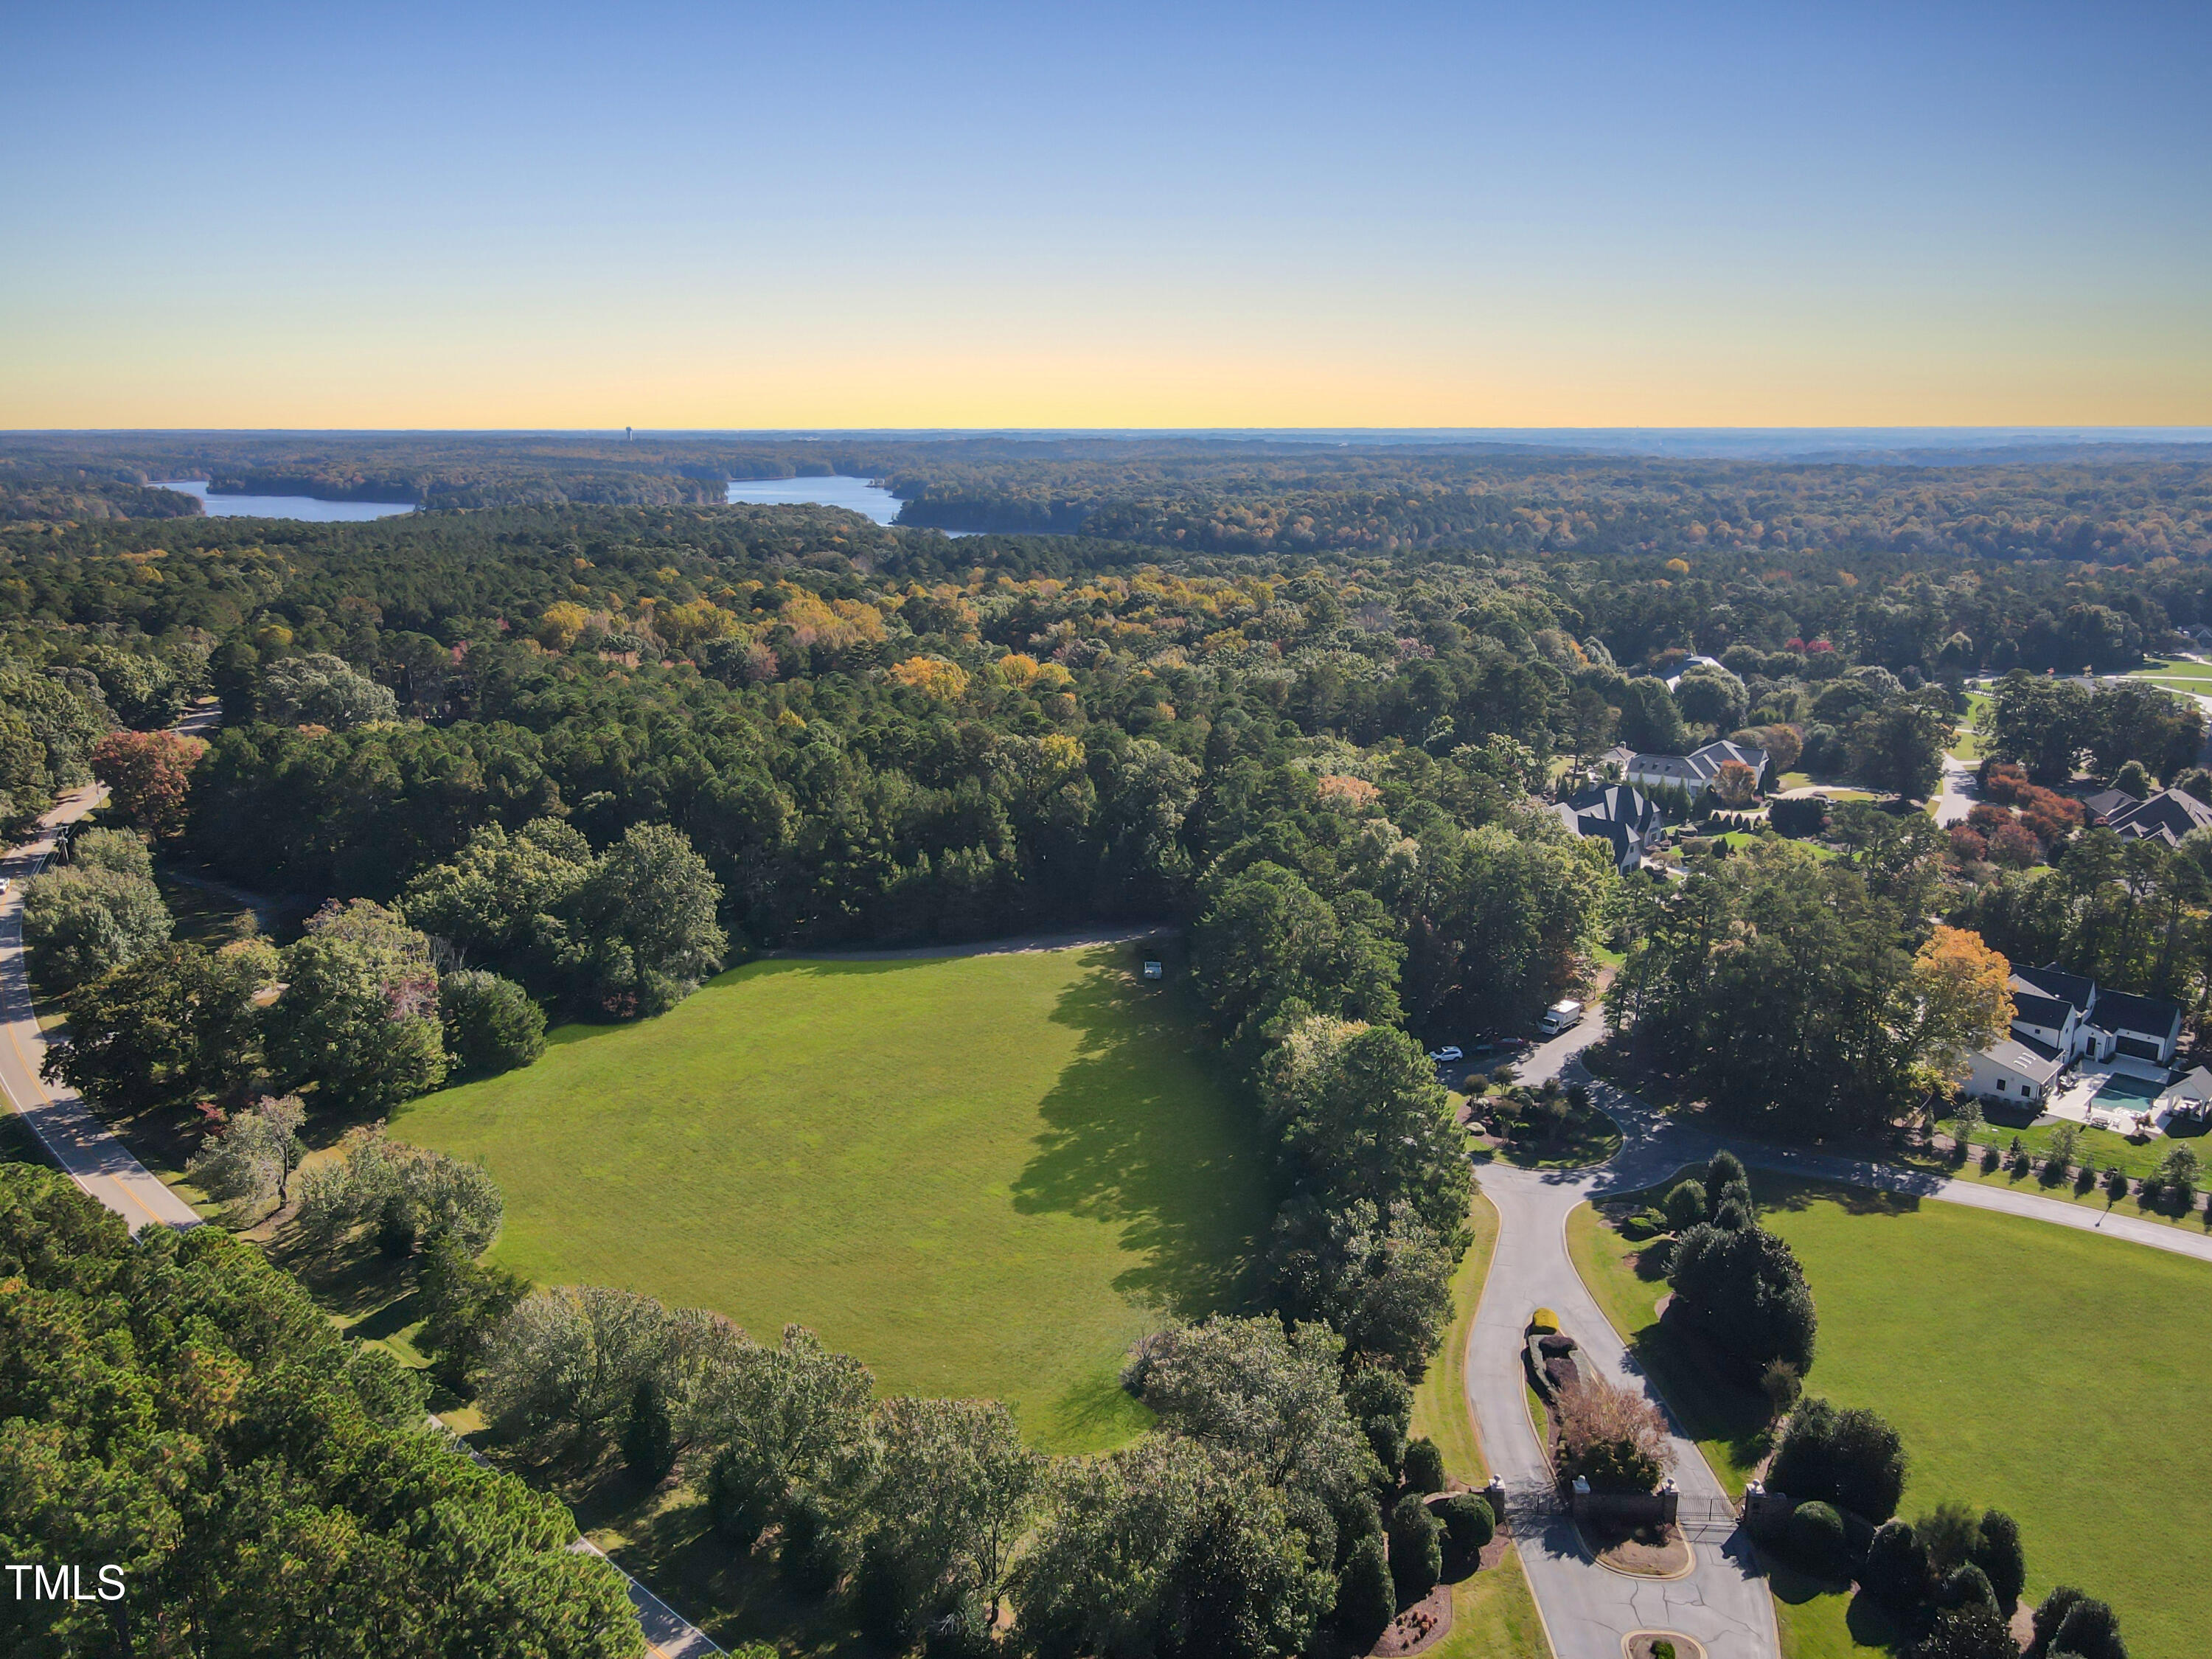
<point x="996" y="947"/>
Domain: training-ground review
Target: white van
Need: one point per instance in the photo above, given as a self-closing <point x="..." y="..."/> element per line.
<point x="1560" y="1016"/>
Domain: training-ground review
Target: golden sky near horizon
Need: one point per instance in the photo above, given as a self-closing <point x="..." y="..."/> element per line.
<point x="978" y="215"/>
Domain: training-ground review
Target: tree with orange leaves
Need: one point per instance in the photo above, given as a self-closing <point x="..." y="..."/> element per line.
<point x="1962" y="989"/>
<point x="148" y="775"/>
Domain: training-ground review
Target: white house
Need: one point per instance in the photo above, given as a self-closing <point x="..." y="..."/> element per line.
<point x="1693" y="773"/>
<point x="2068" y="1017"/>
<point x="2012" y="1072"/>
<point x="1688" y="662"/>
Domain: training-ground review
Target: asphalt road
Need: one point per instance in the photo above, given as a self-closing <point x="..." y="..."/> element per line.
<point x="79" y="1141"/>
<point x="1587" y="1609"/>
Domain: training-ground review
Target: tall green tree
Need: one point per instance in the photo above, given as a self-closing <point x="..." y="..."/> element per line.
<point x="358" y="1018"/>
<point x="263" y="1486"/>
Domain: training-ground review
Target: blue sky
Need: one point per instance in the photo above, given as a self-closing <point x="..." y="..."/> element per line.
<point x="822" y="215"/>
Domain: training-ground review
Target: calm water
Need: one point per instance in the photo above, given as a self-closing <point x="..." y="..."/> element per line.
<point x="857" y="493"/>
<point x="287" y="506"/>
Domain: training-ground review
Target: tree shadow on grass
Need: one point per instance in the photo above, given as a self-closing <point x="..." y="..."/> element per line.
<point x="1870" y="1623"/>
<point x="1138" y="1141"/>
<point x="1709" y="1404"/>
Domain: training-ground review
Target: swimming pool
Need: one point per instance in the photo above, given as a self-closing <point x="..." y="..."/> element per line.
<point x="2126" y="1091"/>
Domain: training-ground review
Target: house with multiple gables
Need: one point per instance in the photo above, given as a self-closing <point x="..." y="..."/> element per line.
<point x="2060" y="1017"/>
<point x="1624" y="818"/>
<point x="2166" y="816"/>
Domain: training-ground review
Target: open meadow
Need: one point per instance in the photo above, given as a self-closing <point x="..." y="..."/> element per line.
<point x="2047" y="1372"/>
<point x="982" y="1174"/>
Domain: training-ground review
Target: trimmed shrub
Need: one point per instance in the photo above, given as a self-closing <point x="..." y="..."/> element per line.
<point x="1543" y="1319"/>
<point x="1722" y="1168"/>
<point x="1366" y="1599"/>
<point x="2050" y="1614"/>
<point x="1468" y="1520"/>
<point x="1999" y="1555"/>
<point x="1742" y="1289"/>
<point x="1990" y="1158"/>
<point x="1685" y="1205"/>
<point x="1816" y="1539"/>
<point x="1782" y="1385"/>
<point x="1417" y="1550"/>
<point x="1976" y="1631"/>
<point x="1964" y="1587"/>
<point x="1425" y="1465"/>
<point x="2090" y="1629"/>
<point x="1896" y="1570"/>
<point x="1852" y="1459"/>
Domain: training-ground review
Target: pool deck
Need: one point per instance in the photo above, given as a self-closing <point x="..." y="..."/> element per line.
<point x="2077" y="1099"/>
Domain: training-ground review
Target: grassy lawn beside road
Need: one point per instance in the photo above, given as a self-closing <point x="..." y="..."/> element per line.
<point x="2054" y="1373"/>
<point x="1440" y="1408"/>
<point x="982" y="1176"/>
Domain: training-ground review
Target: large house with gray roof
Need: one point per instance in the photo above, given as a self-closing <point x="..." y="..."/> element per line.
<point x="1693" y="773"/>
<point x="1624" y="819"/>
<point x="2166" y="816"/>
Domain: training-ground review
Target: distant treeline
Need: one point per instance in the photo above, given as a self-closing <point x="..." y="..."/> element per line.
<point x="1213" y="496"/>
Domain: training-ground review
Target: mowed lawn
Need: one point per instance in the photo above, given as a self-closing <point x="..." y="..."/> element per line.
<point x="983" y="1176"/>
<point x="2052" y="1373"/>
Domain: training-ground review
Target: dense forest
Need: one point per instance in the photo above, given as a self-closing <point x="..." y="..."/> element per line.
<point x="1225" y="494"/>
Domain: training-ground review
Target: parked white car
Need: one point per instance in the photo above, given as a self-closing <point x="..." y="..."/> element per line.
<point x="1445" y="1056"/>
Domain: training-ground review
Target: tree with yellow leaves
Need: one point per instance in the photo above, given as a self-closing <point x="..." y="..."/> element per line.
<point x="561" y="623"/>
<point x="933" y="676"/>
<point x="1965" y="1002"/>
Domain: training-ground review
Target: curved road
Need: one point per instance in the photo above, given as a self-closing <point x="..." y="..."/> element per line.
<point x="1723" y="1602"/>
<point x="79" y="1141"/>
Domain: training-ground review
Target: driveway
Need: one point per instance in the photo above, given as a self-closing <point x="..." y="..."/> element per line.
<point x="79" y="1141"/>
<point x="1587" y="1609"/>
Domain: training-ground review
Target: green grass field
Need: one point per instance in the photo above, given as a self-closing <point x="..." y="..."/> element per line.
<point x="2052" y="1373"/>
<point x="983" y="1176"/>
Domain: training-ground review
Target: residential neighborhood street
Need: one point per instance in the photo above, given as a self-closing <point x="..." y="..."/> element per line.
<point x="1959" y="793"/>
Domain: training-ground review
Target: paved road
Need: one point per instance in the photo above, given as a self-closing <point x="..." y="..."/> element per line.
<point x="1722" y="1602"/>
<point x="1959" y="792"/>
<point x="79" y="1141"/>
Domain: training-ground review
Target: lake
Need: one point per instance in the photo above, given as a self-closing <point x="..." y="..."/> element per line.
<point x="286" y="506"/>
<point x="872" y="501"/>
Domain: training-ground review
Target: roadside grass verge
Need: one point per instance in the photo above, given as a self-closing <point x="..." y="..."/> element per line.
<point x="1440" y="1409"/>
<point x="1493" y="1611"/>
